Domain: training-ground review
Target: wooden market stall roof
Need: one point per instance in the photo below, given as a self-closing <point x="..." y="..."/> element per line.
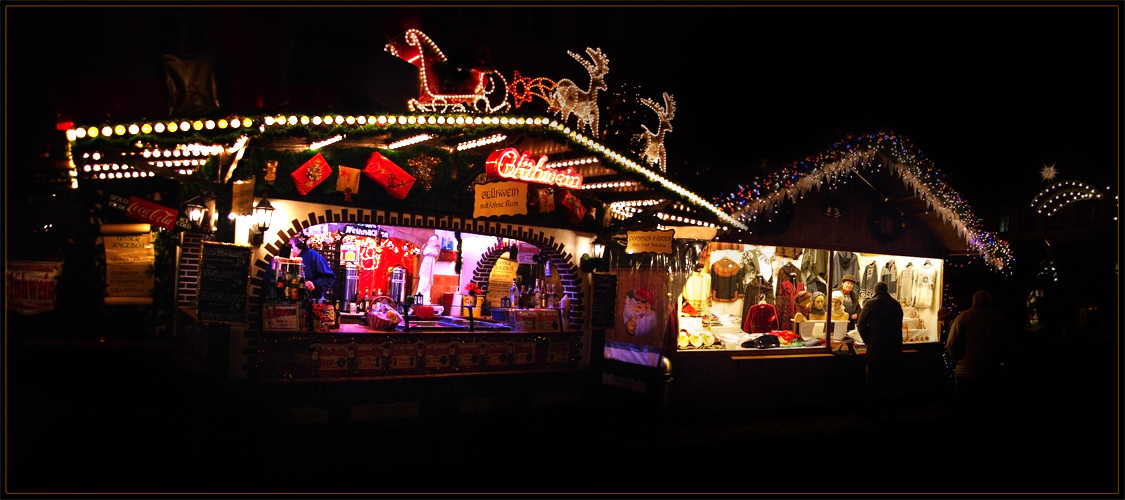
<point x="877" y="192"/>
<point x="211" y="151"/>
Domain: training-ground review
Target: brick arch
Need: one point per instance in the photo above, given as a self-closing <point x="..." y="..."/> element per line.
<point x="561" y="260"/>
<point x="569" y="276"/>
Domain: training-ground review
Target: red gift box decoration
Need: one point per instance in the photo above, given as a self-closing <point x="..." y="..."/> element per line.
<point x="311" y="174"/>
<point x="392" y="177"/>
<point x="574" y="209"/>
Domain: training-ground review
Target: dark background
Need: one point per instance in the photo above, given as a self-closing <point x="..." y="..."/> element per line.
<point x="990" y="94"/>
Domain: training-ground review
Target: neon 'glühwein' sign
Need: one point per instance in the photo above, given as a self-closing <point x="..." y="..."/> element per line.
<point x="511" y="164"/>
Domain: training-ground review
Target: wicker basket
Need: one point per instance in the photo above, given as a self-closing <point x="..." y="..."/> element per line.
<point x="382" y="316"/>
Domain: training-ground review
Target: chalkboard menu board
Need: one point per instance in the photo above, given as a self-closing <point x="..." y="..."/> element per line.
<point x="603" y="308"/>
<point x="224" y="283"/>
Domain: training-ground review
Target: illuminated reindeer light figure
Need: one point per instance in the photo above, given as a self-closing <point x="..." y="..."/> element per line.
<point x="654" y="143"/>
<point x="568" y="98"/>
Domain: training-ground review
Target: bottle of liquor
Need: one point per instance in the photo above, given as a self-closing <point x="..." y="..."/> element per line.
<point x="336" y="315"/>
<point x="279" y="287"/>
<point x="514" y="295"/>
<point x="523" y="297"/>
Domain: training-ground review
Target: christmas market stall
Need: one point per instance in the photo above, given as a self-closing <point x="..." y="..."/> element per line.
<point x="434" y="258"/>
<point x="764" y="316"/>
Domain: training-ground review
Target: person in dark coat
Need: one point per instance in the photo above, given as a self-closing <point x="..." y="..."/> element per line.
<point x="880" y="326"/>
<point x="318" y="274"/>
<point x="977" y="340"/>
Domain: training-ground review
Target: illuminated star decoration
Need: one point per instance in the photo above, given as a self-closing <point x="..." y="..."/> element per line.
<point x="1048" y="172"/>
<point x="1062" y="193"/>
<point x="424" y="169"/>
<point x="523" y="89"/>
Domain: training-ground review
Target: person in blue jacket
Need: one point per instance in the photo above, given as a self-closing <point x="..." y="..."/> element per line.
<point x="318" y="274"/>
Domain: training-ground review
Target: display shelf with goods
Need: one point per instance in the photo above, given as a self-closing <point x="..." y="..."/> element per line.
<point x="755" y="290"/>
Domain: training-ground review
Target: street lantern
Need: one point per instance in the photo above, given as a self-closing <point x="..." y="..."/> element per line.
<point x="263" y="217"/>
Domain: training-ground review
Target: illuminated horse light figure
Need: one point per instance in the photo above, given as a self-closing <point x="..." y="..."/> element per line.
<point x="568" y="98"/>
<point x="654" y="143"/>
<point x="416" y="48"/>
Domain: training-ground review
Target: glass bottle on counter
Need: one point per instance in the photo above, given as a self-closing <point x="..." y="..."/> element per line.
<point x="523" y="297"/>
<point x="514" y="295"/>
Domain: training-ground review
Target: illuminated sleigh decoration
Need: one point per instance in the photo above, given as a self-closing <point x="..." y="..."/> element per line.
<point x="416" y="48"/>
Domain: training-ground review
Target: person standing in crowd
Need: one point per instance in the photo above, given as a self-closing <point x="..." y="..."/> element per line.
<point x="880" y="326"/>
<point x="318" y="274"/>
<point x="976" y="343"/>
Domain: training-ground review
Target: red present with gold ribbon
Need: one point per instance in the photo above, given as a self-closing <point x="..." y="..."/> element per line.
<point x="392" y="177"/>
<point x="347" y="182"/>
<point x="572" y="205"/>
<point x="311" y="174"/>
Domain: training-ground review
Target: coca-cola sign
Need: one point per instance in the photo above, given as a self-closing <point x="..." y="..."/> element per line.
<point x="152" y="213"/>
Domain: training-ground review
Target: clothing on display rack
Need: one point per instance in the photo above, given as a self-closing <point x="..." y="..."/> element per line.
<point x="749" y="263"/>
<point x="924" y="284"/>
<point x="786" y="304"/>
<point x="814" y="263"/>
<point x="889" y="275"/>
<point x="844" y="263"/>
<point x="762" y="318"/>
<point x="906" y="285"/>
<point x="867" y="281"/>
<point x="758" y="287"/>
<point x="697" y="292"/>
<point x="724" y="280"/>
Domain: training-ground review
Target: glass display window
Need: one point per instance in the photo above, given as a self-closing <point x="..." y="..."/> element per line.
<point x="744" y="296"/>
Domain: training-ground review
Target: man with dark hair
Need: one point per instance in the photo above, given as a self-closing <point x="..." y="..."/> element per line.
<point x="977" y="339"/>
<point x="880" y="326"/>
<point x="318" y="274"/>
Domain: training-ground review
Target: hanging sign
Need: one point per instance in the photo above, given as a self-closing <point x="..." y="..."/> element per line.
<point x="499" y="198"/>
<point x="224" y="283"/>
<point x="527" y="253"/>
<point x="650" y="241"/>
<point x="129" y="256"/>
<point x="242" y="197"/>
<point x="31" y="285"/>
<point x="511" y="164"/>
<point x="182" y="222"/>
<point x="152" y="213"/>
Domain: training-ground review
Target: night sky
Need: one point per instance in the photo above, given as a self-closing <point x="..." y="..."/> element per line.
<point x="990" y="94"/>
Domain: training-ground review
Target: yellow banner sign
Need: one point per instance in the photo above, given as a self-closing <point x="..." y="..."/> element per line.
<point x="500" y="198"/>
<point x="650" y="241"/>
<point x="500" y="280"/>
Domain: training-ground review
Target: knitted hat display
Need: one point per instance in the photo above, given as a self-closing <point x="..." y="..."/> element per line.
<point x="392" y="177"/>
<point x="311" y="174"/>
<point x="802" y="296"/>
